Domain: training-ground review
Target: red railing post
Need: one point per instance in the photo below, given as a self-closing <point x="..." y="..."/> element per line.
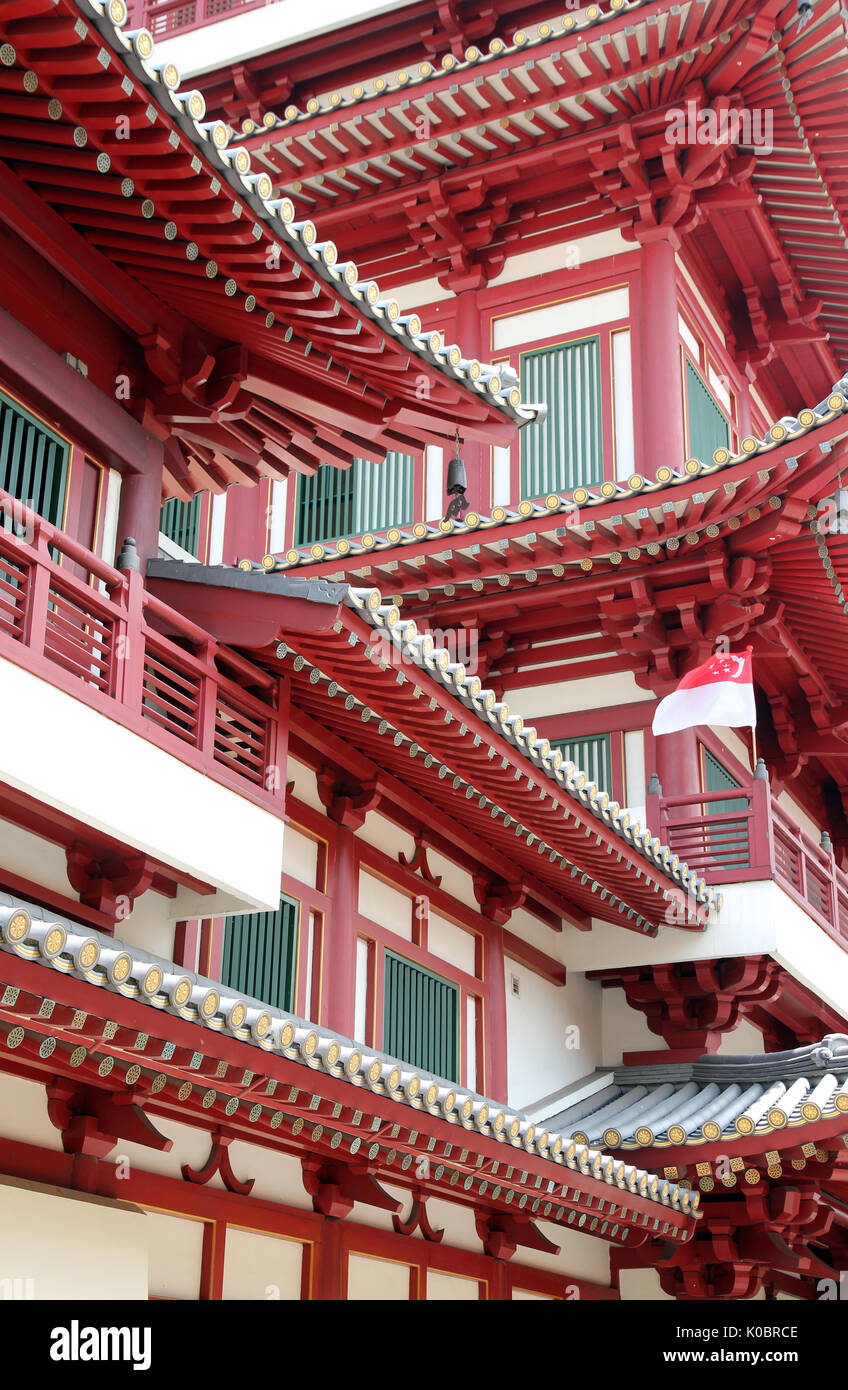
<point x="129" y="648"/>
<point x="208" y="710"/>
<point x="655" y="813"/>
<point x="38" y="588"/>
<point x="760" y="838"/>
<point x="832" y="889"/>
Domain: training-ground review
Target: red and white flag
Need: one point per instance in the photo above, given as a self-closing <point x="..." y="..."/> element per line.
<point x="719" y="692"/>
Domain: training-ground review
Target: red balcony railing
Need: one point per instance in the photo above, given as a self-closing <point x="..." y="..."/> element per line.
<point x="166" y="17"/>
<point x="98" y="634"/>
<point x="756" y="840"/>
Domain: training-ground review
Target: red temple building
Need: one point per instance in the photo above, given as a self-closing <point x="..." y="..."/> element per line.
<point x="393" y="409"/>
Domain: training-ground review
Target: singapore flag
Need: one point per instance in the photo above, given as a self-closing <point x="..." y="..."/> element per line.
<point x="719" y="692"/>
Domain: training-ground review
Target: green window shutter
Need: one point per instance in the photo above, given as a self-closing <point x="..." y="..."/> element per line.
<point x="708" y="427"/>
<point x="718" y="779"/>
<point x="591" y="755"/>
<point x="33" y="462"/>
<point x="337" y="502"/>
<point x="724" y="836"/>
<point x="180" y="522"/>
<point x="260" y="954"/>
<point x="566" y="450"/>
<point x="420" y="1017"/>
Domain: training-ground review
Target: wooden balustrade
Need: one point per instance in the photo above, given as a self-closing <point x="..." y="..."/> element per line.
<point x="758" y="841"/>
<point x="97" y="633"/>
<point x="166" y="17"/>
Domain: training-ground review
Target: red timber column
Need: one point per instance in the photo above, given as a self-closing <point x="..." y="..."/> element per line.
<point x="329" y="1282"/>
<point x="347" y="803"/>
<point x="660" y="383"/>
<point x="468" y="331"/>
<point x="141" y="503"/>
<point x="678" y="763"/>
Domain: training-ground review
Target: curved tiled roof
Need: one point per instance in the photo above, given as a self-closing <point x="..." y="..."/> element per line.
<point x="420" y="649"/>
<point x="124" y="969"/>
<point x="634" y="489"/>
<point x="714" y="1099"/>
<point x="406" y="81"/>
<point x="214" y="140"/>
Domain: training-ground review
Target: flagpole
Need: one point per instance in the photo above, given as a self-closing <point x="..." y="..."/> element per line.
<point x="754" y="746"/>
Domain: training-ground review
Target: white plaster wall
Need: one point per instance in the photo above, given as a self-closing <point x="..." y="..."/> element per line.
<point x="385" y="905"/>
<point x="150" y="925"/>
<point x="455" y="880"/>
<point x="553" y="1034"/>
<point x="580" y="1256"/>
<point x="300" y="856"/>
<point x="584" y="250"/>
<point x="23" y="1113"/>
<point x="102" y="1253"/>
<point x="746" y="925"/>
<point x="377" y="1280"/>
<point x="642" y="1285"/>
<point x="527" y="1296"/>
<point x="68" y="755"/>
<point x="569" y="697"/>
<point x="451" y="1288"/>
<point x="457" y="1222"/>
<point x="305" y="784"/>
<point x="755" y="919"/>
<point x="384" y="835"/>
<point x="810" y="954"/>
<point x="449" y="942"/>
<point x="34" y="858"/>
<point x="261" y="1266"/>
<point x="175" y="1247"/>
<point x="278" y="1177"/>
<point x="788" y="804"/>
<point x="624" y="1029"/>
<point x="743" y="1040"/>
<point x="189" y="1145"/>
<point x="556" y="320"/>
<point x="538" y="934"/>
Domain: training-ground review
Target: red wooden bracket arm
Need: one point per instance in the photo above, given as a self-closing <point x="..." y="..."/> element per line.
<point x="334" y="1187"/>
<point x="419" y="861"/>
<point x="218" y="1162"/>
<point x="93" y="1121"/>
<point x="418" y="1220"/>
<point x="501" y="1234"/>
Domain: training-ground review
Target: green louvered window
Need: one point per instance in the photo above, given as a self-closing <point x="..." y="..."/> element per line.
<point x="708" y="427"/>
<point x="421" y="1018"/>
<point x="260" y="952"/>
<point x="180" y="522"/>
<point x="33" y="462"/>
<point x="591" y="755"/>
<point x="566" y="450"/>
<point x="719" y="844"/>
<point x="337" y="502"/>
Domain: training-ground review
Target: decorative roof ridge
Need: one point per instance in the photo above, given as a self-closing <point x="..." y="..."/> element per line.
<point x="420" y="648"/>
<point x="570" y="25"/>
<point x="830" y="1055"/>
<point x="122" y="968"/>
<point x="727" y="1098"/>
<point x="213" y="140"/>
<point x="789" y="427"/>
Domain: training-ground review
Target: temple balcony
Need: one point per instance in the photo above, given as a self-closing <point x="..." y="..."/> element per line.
<point x="783" y="897"/>
<point x="130" y="736"/>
